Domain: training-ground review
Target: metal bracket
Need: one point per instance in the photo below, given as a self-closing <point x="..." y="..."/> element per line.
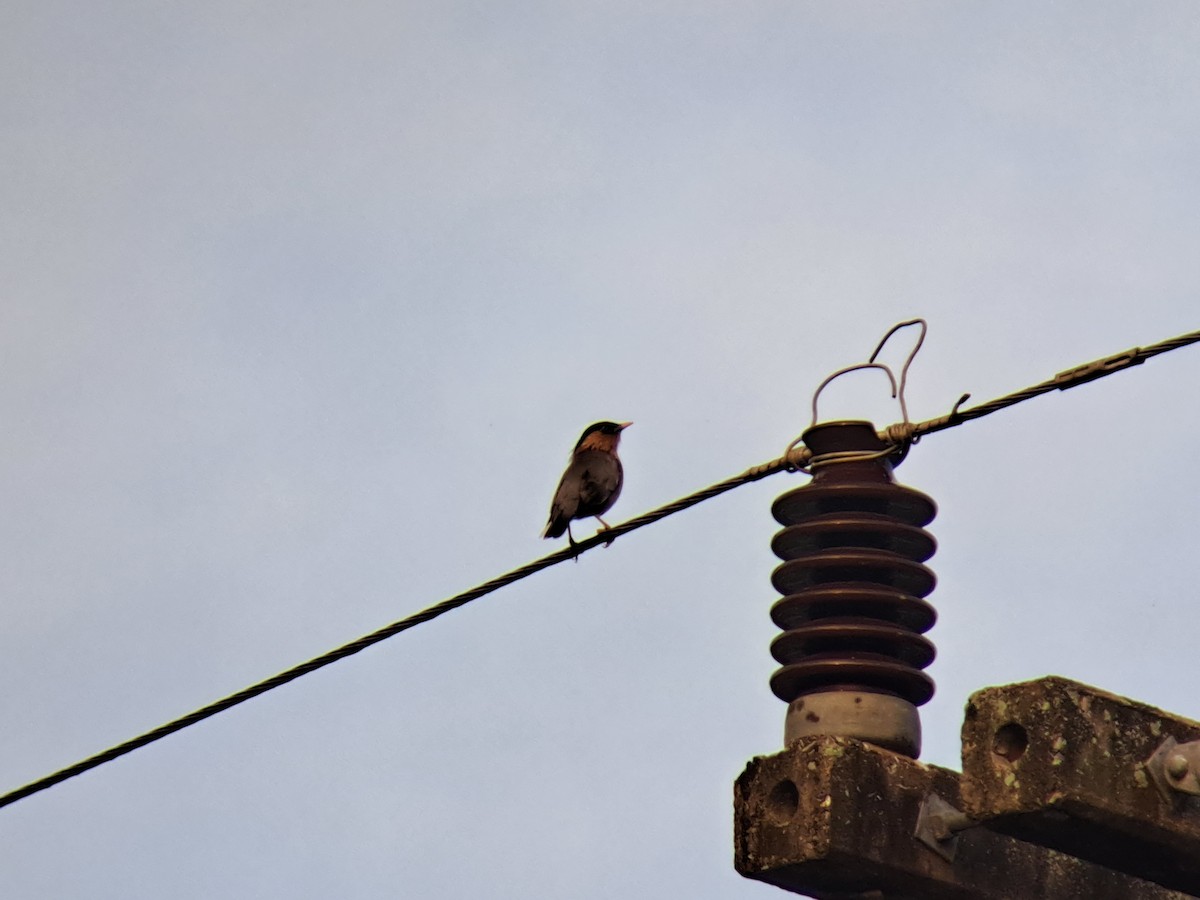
<point x="1175" y="768"/>
<point x="938" y="824"/>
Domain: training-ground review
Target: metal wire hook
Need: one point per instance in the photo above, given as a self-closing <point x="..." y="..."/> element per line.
<point x="955" y="415"/>
<point x="854" y="368"/>
<point x="903" y="431"/>
<point x="907" y="362"/>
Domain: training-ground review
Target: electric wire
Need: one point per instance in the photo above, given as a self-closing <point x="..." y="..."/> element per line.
<point x="1070" y="378"/>
<point x="796" y="457"/>
<point x="362" y="643"/>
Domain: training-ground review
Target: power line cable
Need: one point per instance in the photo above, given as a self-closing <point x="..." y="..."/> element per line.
<point x="796" y="457"/>
<point x="362" y="643"/>
<point x="1070" y="378"/>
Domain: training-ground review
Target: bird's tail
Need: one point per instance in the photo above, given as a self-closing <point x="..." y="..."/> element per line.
<point x="556" y="527"/>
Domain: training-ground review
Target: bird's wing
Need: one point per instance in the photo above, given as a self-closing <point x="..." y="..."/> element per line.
<point x="565" y="505"/>
<point x="559" y="517"/>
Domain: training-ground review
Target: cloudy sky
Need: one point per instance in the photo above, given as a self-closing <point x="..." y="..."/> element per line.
<point x="302" y="307"/>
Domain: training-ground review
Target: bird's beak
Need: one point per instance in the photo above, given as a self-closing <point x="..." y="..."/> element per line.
<point x="623" y="425"/>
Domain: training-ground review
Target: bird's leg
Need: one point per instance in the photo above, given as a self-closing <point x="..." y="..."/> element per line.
<point x="606" y="527"/>
<point x="571" y="540"/>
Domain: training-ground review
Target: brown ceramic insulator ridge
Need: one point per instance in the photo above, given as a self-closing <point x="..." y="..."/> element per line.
<point x="853" y="577"/>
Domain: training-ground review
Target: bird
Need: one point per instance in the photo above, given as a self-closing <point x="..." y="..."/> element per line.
<point x="592" y="482"/>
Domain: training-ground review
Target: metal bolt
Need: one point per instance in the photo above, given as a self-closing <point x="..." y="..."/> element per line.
<point x="1177" y="766"/>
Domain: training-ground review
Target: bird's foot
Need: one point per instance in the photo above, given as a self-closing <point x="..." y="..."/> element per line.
<point x="605" y="527"/>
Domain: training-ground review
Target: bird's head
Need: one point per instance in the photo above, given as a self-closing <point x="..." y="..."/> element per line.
<point x="602" y="435"/>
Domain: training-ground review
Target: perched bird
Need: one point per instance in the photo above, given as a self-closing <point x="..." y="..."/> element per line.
<point x="592" y="481"/>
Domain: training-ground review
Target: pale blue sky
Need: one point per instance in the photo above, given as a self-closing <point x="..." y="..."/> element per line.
<point x="302" y="307"/>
